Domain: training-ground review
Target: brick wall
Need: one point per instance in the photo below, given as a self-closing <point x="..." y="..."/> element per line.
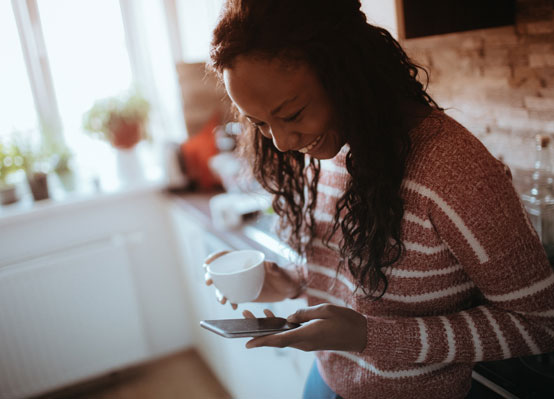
<point x="498" y="82"/>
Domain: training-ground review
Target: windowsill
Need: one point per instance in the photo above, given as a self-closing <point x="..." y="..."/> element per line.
<point x="85" y="195"/>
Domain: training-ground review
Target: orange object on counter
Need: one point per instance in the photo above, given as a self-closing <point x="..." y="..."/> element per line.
<point x="196" y="153"/>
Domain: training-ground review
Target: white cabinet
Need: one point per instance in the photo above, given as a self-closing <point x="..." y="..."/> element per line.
<point x="87" y="287"/>
<point x="246" y="373"/>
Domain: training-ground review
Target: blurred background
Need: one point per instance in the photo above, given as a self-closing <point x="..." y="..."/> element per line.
<point x="118" y="176"/>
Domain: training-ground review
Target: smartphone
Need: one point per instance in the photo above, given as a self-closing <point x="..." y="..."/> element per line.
<point x="236" y="328"/>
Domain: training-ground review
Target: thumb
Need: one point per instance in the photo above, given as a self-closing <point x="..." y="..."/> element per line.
<point x="323" y="311"/>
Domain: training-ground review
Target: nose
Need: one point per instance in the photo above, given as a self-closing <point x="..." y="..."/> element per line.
<point x="283" y="140"/>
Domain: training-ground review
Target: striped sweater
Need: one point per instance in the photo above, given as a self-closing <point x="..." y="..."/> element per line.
<point x="474" y="283"/>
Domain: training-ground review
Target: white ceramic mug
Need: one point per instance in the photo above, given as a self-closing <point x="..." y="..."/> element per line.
<point x="238" y="275"/>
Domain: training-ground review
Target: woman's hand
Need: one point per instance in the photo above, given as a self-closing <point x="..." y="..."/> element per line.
<point x="328" y="327"/>
<point x="279" y="283"/>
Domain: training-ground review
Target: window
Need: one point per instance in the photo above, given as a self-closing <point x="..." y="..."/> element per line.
<point x="63" y="55"/>
<point x="85" y="43"/>
<point x="16" y="99"/>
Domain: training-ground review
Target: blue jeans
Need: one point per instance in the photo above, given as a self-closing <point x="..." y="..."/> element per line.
<point x="316" y="388"/>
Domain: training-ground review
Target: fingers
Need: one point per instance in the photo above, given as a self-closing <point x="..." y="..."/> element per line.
<point x="294" y="338"/>
<point x="213" y="256"/>
<point x="249" y="315"/>
<point x="272" y="267"/>
<point x="323" y="311"/>
<point x="220" y="297"/>
<point x="268" y="313"/>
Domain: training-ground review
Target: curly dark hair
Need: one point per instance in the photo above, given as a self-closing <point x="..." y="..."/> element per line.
<point x="367" y="76"/>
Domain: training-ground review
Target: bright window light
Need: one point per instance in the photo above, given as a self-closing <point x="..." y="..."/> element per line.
<point x="197" y="20"/>
<point x="87" y="52"/>
<point x="16" y="101"/>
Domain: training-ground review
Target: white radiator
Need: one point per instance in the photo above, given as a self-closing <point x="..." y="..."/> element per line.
<point x="66" y="317"/>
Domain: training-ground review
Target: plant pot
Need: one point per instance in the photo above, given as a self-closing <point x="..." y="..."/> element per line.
<point x="38" y="183"/>
<point x="8" y="194"/>
<point x="126" y="135"/>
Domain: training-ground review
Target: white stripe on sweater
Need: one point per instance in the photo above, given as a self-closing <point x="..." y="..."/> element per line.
<point x="416" y="247"/>
<point x="326" y="297"/>
<point x="474" y="337"/>
<point x="423" y="337"/>
<point x="450" y="339"/>
<point x="525" y="335"/>
<point x="429" y="296"/>
<point x="424" y="273"/>
<point x="546" y="313"/>
<point x="523" y="292"/>
<point x="318" y="243"/>
<point x="500" y="337"/>
<point x="392" y="374"/>
<point x="452" y="215"/>
<point x="411" y="217"/>
<point x="392" y="297"/>
<point x="329" y="190"/>
<point x="329" y="166"/>
<point x="331" y="274"/>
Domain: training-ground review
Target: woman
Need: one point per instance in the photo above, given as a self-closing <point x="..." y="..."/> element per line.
<point x="420" y="260"/>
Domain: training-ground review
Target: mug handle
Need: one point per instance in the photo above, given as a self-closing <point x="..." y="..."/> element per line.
<point x="213" y="256"/>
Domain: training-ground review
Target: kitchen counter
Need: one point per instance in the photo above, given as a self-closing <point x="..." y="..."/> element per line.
<point x="254" y="233"/>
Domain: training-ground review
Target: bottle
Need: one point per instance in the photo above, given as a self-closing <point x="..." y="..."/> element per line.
<point x="539" y="200"/>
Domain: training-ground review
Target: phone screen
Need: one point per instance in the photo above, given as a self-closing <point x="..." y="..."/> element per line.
<point x="234" y="328"/>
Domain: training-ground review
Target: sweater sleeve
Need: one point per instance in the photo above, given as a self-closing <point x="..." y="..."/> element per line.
<point x="476" y="212"/>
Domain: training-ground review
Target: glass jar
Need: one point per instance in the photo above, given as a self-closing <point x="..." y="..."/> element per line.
<point x="539" y="200"/>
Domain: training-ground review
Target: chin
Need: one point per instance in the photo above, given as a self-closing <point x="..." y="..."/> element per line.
<point x="325" y="154"/>
<point x="330" y="148"/>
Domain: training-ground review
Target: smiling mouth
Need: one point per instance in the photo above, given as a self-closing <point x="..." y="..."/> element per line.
<point x="311" y="145"/>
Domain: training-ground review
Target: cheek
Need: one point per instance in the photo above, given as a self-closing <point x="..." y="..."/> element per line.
<point x="317" y="123"/>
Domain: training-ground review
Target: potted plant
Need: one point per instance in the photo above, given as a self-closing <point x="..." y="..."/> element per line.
<point x="36" y="162"/>
<point x="10" y="162"/>
<point x="119" y="120"/>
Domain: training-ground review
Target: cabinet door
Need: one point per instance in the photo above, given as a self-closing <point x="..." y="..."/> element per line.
<point x="67" y="316"/>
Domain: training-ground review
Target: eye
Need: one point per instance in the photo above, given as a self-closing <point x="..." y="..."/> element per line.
<point x="295" y="116"/>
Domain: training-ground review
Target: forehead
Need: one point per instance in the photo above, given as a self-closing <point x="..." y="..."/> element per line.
<point x="257" y="86"/>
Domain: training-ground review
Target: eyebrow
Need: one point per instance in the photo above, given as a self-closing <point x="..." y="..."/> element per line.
<point x="278" y="108"/>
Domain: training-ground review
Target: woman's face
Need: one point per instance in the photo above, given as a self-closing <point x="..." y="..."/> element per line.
<point x="287" y="103"/>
